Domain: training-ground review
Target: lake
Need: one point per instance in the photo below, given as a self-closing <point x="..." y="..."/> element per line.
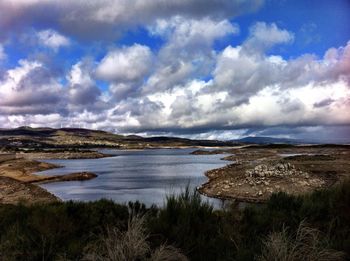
<point x="129" y="175"/>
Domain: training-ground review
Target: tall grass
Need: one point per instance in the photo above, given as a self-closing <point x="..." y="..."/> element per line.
<point x="130" y="245"/>
<point x="306" y="243"/>
<point x="191" y="224"/>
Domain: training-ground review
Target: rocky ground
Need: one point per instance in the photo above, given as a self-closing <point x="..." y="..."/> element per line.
<point x="258" y="172"/>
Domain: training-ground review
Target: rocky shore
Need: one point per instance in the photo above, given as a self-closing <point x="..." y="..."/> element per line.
<point x="18" y="181"/>
<point x="257" y="173"/>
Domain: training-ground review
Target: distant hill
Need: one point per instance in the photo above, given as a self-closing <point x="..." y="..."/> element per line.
<point x="267" y="140"/>
<point x="270" y="140"/>
<point x="41" y="138"/>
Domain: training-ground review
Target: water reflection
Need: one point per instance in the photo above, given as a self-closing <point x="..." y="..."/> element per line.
<point x="145" y="175"/>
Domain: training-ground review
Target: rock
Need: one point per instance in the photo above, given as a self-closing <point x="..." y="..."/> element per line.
<point x="280" y="167"/>
<point x="261" y="174"/>
<point x="304" y="183"/>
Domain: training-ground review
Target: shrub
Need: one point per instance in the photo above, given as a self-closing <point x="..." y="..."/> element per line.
<point x="191" y="224"/>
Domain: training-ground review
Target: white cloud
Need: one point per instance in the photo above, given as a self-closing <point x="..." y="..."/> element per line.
<point x="192" y="32"/>
<point x="28" y="89"/>
<point x="52" y="39"/>
<point x="264" y="36"/>
<point x="126" y="64"/>
<point x="250" y="91"/>
<point x="38" y="120"/>
<point x="187" y="52"/>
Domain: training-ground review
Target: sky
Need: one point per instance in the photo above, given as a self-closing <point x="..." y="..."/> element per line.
<point x="209" y="69"/>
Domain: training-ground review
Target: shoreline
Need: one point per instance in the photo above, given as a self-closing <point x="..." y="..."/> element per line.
<point x="240" y="181"/>
<point x="202" y="191"/>
<point x="19" y="182"/>
<point x="230" y="182"/>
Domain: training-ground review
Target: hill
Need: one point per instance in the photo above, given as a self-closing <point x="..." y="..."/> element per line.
<point x="43" y="138"/>
<point x="267" y="140"/>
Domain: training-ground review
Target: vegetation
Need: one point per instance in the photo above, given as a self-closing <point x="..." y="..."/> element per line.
<point x="131" y="244"/>
<point x="314" y="226"/>
<point x="307" y="244"/>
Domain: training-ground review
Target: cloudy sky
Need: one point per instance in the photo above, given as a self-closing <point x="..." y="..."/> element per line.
<point x="193" y="68"/>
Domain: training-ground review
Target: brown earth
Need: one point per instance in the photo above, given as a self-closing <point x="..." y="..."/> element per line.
<point x="258" y="172"/>
<point x="13" y="191"/>
<point x="79" y="176"/>
<point x="63" y="155"/>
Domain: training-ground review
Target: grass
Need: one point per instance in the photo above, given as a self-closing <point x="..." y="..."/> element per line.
<point x="132" y="244"/>
<point x="306" y="243"/>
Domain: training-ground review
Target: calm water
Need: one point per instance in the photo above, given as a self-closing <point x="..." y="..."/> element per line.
<point x="147" y="175"/>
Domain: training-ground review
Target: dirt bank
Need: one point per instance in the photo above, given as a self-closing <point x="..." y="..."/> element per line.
<point x="13" y="191"/>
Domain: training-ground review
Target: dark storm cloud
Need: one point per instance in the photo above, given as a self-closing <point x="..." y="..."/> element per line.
<point x="323" y="103"/>
<point x="313" y="133"/>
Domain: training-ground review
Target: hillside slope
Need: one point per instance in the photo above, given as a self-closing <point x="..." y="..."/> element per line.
<point x="40" y="138"/>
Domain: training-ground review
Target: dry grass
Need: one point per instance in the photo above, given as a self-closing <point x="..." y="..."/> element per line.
<point x="307" y="244"/>
<point x="167" y="253"/>
<point x="130" y="245"/>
